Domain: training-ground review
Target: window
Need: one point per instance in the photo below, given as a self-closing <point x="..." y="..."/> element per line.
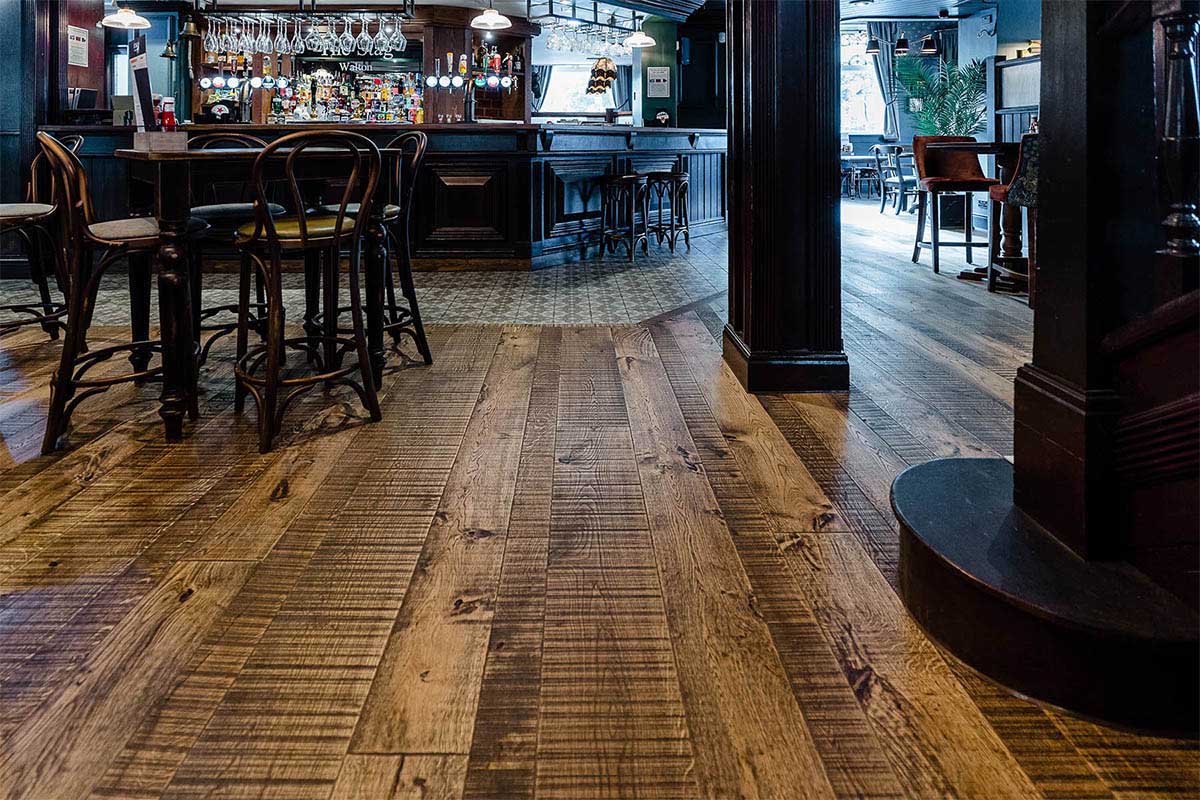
<point x="862" y="102"/>
<point x="567" y="92"/>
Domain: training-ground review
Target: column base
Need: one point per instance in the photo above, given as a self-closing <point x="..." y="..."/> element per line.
<point x="803" y="371"/>
<point x="998" y="591"/>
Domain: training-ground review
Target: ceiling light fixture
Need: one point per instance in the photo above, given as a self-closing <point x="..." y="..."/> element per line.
<point x="872" y="46"/>
<point x="491" y="20"/>
<point x="126" y="20"/>
<point x="639" y="38"/>
<point x="929" y="46"/>
<point x="901" y="46"/>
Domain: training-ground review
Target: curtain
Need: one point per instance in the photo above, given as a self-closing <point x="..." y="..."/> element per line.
<point x="887" y="33"/>
<point x="948" y="45"/>
<point x="541" y="82"/>
<point x="622" y="86"/>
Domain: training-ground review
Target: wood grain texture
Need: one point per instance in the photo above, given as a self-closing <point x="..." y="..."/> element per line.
<point x="687" y="594"/>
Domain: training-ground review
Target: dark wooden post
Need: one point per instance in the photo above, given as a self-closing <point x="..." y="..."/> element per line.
<point x="785" y="313"/>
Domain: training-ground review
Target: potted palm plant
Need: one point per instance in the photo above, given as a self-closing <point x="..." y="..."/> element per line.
<point x="945" y="99"/>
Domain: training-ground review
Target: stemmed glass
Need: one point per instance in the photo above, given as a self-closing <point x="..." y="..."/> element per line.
<point x="381" y="45"/>
<point x="363" y="43"/>
<point x="346" y="42"/>
<point x="280" y="44"/>
<point x="398" y="43"/>
<point x="297" y="45"/>
<point x="226" y="41"/>
<point x="263" y="44"/>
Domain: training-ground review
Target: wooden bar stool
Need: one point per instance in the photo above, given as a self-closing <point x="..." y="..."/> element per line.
<point x="263" y="244"/>
<point x="135" y="237"/>
<point x="670" y="185"/>
<point x="395" y="219"/>
<point x="225" y="208"/>
<point x="622" y="196"/>
<point x="940" y="173"/>
<point x="32" y="221"/>
<point x="1021" y="191"/>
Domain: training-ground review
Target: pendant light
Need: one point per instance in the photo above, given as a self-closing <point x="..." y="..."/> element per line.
<point x="126" y="20"/>
<point x="872" y="46"/>
<point x="491" y="20"/>
<point x="901" y="46"/>
<point x="929" y="46"/>
<point x="639" y="38"/>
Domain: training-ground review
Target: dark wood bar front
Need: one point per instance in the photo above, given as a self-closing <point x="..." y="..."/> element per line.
<point x="495" y="196"/>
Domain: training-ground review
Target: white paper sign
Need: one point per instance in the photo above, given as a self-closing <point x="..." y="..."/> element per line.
<point x="77" y="46"/>
<point x="658" y="81"/>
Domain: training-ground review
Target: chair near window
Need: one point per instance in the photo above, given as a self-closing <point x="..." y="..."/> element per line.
<point x="263" y="242"/>
<point x="895" y="182"/>
<point x="32" y="221"/>
<point x="941" y="173"/>
<point x="1021" y="191"/>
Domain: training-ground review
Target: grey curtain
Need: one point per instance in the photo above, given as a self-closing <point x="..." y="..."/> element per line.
<point x="622" y="86"/>
<point x="886" y="33"/>
<point x="948" y="45"/>
<point x="541" y="82"/>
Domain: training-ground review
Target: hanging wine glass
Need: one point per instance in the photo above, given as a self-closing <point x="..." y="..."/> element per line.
<point x="211" y="43"/>
<point x="363" y="43"/>
<point x="281" y="40"/>
<point x="297" y="46"/>
<point x="381" y="45"/>
<point x="226" y="41"/>
<point x="346" y="42"/>
<point x="264" y="37"/>
<point x="314" y="40"/>
<point x="399" y="43"/>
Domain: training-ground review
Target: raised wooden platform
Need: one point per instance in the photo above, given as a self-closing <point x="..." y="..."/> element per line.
<point x="988" y="583"/>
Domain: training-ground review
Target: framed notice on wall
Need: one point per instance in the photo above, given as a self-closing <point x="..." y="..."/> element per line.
<point x="658" y="81"/>
<point x="77" y="46"/>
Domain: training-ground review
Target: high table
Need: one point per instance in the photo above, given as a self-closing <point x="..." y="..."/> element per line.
<point x="171" y="174"/>
<point x="1009" y="259"/>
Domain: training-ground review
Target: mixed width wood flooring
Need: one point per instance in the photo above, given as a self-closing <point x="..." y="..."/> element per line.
<point x="571" y="562"/>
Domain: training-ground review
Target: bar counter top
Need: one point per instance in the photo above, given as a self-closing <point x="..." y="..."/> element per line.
<point x="489" y="195"/>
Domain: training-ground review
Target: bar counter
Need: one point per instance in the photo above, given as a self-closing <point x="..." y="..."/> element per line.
<point x="490" y="196"/>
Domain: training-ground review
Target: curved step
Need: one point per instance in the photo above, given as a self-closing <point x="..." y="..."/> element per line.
<point x="1002" y="594"/>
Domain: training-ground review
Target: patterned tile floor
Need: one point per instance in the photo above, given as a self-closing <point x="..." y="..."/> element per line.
<point x="599" y="290"/>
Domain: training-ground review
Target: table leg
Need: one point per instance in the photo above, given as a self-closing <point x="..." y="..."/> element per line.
<point x="174" y="300"/>
<point x="376" y="266"/>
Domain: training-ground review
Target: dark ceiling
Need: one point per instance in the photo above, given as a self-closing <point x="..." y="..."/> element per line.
<point x="911" y="8"/>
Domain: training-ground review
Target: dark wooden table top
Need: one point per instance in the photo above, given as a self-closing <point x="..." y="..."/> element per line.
<point x="226" y="153"/>
<point x="983" y="148"/>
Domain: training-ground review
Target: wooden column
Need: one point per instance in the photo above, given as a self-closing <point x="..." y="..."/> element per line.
<point x="785" y="316"/>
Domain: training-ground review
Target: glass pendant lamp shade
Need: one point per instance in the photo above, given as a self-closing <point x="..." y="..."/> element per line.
<point x="491" y="20"/>
<point x="639" y="39"/>
<point x="126" y="20"/>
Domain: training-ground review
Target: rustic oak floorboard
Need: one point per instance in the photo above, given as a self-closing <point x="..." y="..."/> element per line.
<point x="395" y="777"/>
<point x="748" y="732"/>
<point x="848" y="749"/>
<point x="426" y="688"/>
<point x="612" y="719"/>
<point x="504" y="742"/>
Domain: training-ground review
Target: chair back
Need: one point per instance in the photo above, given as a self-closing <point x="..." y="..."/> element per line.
<point x="71" y="179"/>
<point x="1022" y="191"/>
<point x="362" y="163"/>
<point x="406" y="166"/>
<point x="33" y="191"/>
<point x="945" y="163"/>
<point x="883" y="161"/>
<point x="208" y="141"/>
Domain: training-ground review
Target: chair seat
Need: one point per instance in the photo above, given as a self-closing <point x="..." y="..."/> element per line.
<point x="907" y="180"/>
<point x="390" y="211"/>
<point x="999" y="193"/>
<point x="320" y="227"/>
<point x="228" y="213"/>
<point x="11" y="212"/>
<point x="137" y="230"/>
<point x="957" y="184"/>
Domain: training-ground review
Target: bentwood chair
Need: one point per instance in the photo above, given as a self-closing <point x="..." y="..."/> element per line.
<point x="396" y="218"/>
<point x="32" y="221"/>
<point x="941" y="173"/>
<point x="622" y="197"/>
<point x="896" y="183"/>
<point x="225" y="206"/>
<point x="1021" y="191"/>
<point x="669" y="185"/>
<point x="116" y="239"/>
<point x="263" y="243"/>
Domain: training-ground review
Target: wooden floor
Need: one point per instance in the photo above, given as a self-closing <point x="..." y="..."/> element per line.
<point x="571" y="562"/>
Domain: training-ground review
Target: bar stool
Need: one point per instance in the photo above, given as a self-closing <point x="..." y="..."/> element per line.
<point x="224" y="218"/>
<point x="672" y="185"/>
<point x="395" y="219"/>
<point x="31" y="221"/>
<point x="132" y="237"/>
<point x="1021" y="192"/>
<point x="621" y="197"/>
<point x="940" y="173"/>
<point x="263" y="243"/>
